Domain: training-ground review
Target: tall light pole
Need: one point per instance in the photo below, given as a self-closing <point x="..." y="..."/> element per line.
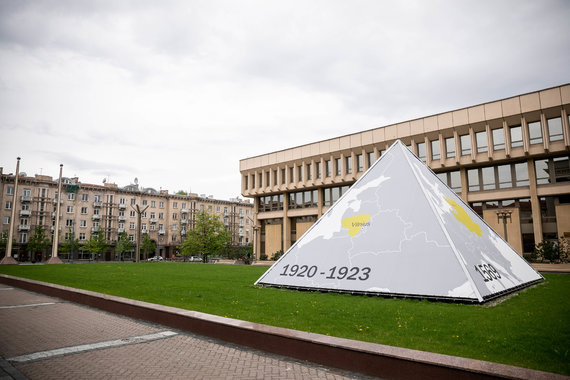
<point x="504" y="215"/>
<point x="139" y="230"/>
<point x="54" y="259"/>
<point x="8" y="259"/>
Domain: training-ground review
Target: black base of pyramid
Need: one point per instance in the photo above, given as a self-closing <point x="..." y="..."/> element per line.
<point x="404" y="296"/>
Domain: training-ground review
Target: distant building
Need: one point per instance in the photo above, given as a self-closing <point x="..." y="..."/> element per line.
<point x="505" y="155"/>
<point x="85" y="209"/>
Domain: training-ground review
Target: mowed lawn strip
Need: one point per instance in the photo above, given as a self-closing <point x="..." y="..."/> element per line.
<point x="530" y="329"/>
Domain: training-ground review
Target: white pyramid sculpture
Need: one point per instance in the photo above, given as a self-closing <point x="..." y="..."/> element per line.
<point x="400" y="231"/>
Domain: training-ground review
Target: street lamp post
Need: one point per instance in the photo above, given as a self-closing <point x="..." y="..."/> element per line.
<point x="8" y="259"/>
<point x="504" y="215"/>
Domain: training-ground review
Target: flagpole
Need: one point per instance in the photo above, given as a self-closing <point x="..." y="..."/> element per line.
<point x="54" y="259"/>
<point x="8" y="259"/>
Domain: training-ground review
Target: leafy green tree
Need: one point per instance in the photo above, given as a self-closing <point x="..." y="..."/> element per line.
<point x="148" y="245"/>
<point x="181" y="192"/>
<point x="3" y="243"/>
<point x="207" y="238"/>
<point x="96" y="244"/>
<point x="39" y="242"/>
<point x="124" y="245"/>
<point x="69" y="244"/>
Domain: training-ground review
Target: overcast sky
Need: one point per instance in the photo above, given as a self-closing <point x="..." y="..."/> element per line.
<point x="175" y="93"/>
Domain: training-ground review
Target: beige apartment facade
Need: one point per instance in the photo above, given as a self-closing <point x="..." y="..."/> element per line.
<point x="86" y="209"/>
<point x="509" y="159"/>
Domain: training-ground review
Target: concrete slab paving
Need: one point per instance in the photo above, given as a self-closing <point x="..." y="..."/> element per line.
<point x="48" y="338"/>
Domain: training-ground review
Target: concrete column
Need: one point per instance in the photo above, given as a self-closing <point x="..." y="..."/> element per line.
<point x="55" y="244"/>
<point x="507" y="134"/>
<point x="286" y="223"/>
<point x="534" y="203"/>
<point x="321" y="195"/>
<point x="464" y="184"/>
<point x="8" y="259"/>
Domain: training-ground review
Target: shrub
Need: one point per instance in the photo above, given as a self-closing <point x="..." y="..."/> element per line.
<point x="263" y="256"/>
<point x="547" y="250"/>
<point x="277" y="255"/>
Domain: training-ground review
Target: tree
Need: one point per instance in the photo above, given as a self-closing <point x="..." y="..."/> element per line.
<point x="4" y="243"/>
<point x="69" y="244"/>
<point x="96" y="244"/>
<point x="39" y="242"/>
<point x="207" y="238"/>
<point x="124" y="245"/>
<point x="181" y="192"/>
<point x="148" y="245"/>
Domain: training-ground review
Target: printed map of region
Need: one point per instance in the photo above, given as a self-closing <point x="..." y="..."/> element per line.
<point x="400" y="231"/>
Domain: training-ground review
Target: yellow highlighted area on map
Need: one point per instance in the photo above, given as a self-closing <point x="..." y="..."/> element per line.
<point x="355" y="223"/>
<point x="461" y="215"/>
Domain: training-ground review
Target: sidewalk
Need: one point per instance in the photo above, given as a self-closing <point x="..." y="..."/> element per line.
<point x="48" y="338"/>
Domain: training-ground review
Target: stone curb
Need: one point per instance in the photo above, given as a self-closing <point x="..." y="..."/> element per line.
<point x="356" y="356"/>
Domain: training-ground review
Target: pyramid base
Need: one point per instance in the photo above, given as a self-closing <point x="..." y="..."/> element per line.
<point x="54" y="260"/>
<point x="8" y="261"/>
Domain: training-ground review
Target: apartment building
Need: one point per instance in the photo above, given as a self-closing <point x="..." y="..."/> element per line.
<point x="509" y="159"/>
<point x="86" y="209"/>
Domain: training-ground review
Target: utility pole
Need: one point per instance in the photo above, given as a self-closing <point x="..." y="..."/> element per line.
<point x="8" y="259"/>
<point x="139" y="230"/>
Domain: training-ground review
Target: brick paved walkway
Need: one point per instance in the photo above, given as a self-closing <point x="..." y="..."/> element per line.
<point x="77" y="342"/>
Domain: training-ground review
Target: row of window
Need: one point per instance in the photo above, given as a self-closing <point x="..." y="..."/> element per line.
<point x="554" y="128"/>
<point x="334" y="167"/>
<point x="550" y="170"/>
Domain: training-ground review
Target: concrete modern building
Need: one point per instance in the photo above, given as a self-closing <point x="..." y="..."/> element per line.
<point x="509" y="159"/>
<point x="85" y="209"/>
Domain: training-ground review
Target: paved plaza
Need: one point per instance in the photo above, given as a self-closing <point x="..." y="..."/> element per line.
<point x="48" y="338"/>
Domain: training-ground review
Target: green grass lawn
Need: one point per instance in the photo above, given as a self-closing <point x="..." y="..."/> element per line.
<point x="531" y="329"/>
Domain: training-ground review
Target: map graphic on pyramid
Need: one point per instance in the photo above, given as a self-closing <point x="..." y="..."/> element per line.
<point x="400" y="231"/>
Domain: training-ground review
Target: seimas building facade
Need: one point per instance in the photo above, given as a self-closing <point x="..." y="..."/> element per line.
<point x="508" y="159"/>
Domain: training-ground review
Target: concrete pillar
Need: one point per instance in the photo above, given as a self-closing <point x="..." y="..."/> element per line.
<point x="534" y="203"/>
<point x="286" y="223"/>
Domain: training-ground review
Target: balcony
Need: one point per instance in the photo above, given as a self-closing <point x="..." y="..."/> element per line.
<point x="161" y="232"/>
<point x="122" y="218"/>
<point x="53" y="228"/>
<point x="26" y="198"/>
<point x="184" y="221"/>
<point x="122" y="206"/>
<point x="120" y="230"/>
<point x="25" y="212"/>
<point x="55" y="201"/>
<point x="54" y="214"/>
<point x="153" y="220"/>
<point x="97" y="204"/>
<point x="96" y="217"/>
<point x="94" y="230"/>
<point x="184" y="211"/>
<point x="24" y="227"/>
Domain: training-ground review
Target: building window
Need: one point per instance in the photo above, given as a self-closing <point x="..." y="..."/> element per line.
<point x="535" y="132"/>
<point x="275" y="178"/>
<point x="291" y="174"/>
<point x="370" y="158"/>
<point x="69" y="209"/>
<point x="498" y="177"/>
<point x="300" y="172"/>
<point x="555" y="129"/>
<point x="516" y="136"/>
<point x="161" y="205"/>
<point x="422" y="151"/>
<point x="259" y="180"/>
<point x="8" y="205"/>
<point x="6" y="220"/>
<point x="131" y="213"/>
<point x="450" y="147"/>
<point x="328" y="165"/>
<point x="488" y="176"/>
<point x="473" y="180"/>
<point x="338" y="167"/>
<point x="349" y="165"/>
<point x="132" y="225"/>
<point x="23" y="238"/>
<point x="552" y="170"/>
<point x="174" y="204"/>
<point x="270" y="203"/>
<point x="521" y="174"/>
<point x="319" y="170"/>
<point x="153" y="204"/>
<point x="82" y="236"/>
<point x="465" y="141"/>
<point x="10" y="190"/>
<point x="133" y="200"/>
<point x="283" y="176"/>
<point x="174" y="216"/>
<point x="84" y="197"/>
<point x="70" y="196"/>
<point x="498" y="139"/>
<point x="452" y="180"/>
<point x="505" y="177"/>
<point x="435" y="150"/>
<point x="360" y="163"/>
<point x="267" y="179"/>
<point x="332" y="194"/>
<point x="83" y="210"/>
<point x="253" y="181"/>
<point x="160" y="215"/>
<point x="481" y="139"/>
<point x="309" y="172"/>
<point x="83" y="223"/>
<point x="144" y="202"/>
